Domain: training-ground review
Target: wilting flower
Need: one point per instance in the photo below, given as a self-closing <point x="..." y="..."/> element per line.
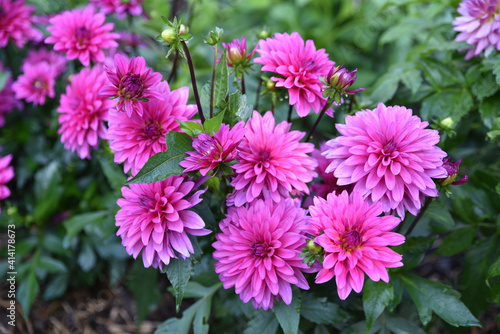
<point x="134" y="140"/>
<point x="339" y="80"/>
<point x="154" y="218"/>
<point x="53" y="59"/>
<point x="354" y="240"/>
<point x="213" y="152"/>
<point x="479" y="26"/>
<point x="82" y="34"/>
<point x="7" y="97"/>
<point x="258" y="251"/>
<point x="119" y="7"/>
<point x="452" y="168"/>
<point x="16" y="23"/>
<point x="299" y="66"/>
<point x="83" y="112"/>
<point x="132" y="83"/>
<point x="236" y="52"/>
<point x="6" y="174"/>
<point x="35" y="84"/>
<point x="389" y="156"/>
<point x="272" y="161"/>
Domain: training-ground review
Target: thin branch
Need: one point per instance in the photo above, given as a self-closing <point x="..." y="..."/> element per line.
<point x="193" y="81"/>
<point x="174" y="67"/>
<point x="323" y="111"/>
<point x="289" y="119"/>
<point x="428" y="201"/>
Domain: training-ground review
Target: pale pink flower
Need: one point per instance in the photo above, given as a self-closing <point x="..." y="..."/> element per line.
<point x="355" y="241"/>
<point x="82" y="34"/>
<point x="272" y="161"/>
<point x="16" y="23"/>
<point x="8" y="101"/>
<point x="119" y="7"/>
<point x="299" y="66"/>
<point x="134" y="140"/>
<point x="132" y="83"/>
<point x="6" y="174"/>
<point x="212" y="152"/>
<point x="479" y="26"/>
<point x="389" y="156"/>
<point x="258" y="251"/>
<point x="55" y="60"/>
<point x="83" y="112"/>
<point x="154" y="218"/>
<point x="35" y="84"/>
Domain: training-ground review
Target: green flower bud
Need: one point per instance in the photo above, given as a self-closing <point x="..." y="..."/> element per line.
<point x="169" y="35"/>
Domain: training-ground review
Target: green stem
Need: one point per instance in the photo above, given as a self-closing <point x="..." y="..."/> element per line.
<point x="242" y="83"/>
<point x="213" y="85"/>
<point x="258" y="94"/>
<point x="193" y="81"/>
<point x="323" y="111"/>
<point x="428" y="201"/>
<point x="290" y="109"/>
<point x="174" y="66"/>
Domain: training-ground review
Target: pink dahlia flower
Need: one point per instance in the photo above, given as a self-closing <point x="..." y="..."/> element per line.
<point x="119" y="7"/>
<point x="212" y="152"/>
<point x="479" y="26"/>
<point x="452" y="168"/>
<point x="36" y="83"/>
<point x="134" y="140"/>
<point x="299" y="66"/>
<point x="83" y="112"/>
<point x="258" y="251"/>
<point x="82" y="34"/>
<point x="355" y="241"/>
<point x="132" y="83"/>
<point x="16" y="23"/>
<point x="236" y="51"/>
<point x="6" y="174"/>
<point x="53" y="59"/>
<point x="154" y="218"/>
<point x="389" y="156"/>
<point x="272" y="161"/>
<point x="7" y="97"/>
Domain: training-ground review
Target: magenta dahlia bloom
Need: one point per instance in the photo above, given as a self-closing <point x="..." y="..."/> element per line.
<point x="389" y="156"/>
<point x="479" y="26"/>
<point x="36" y="83"/>
<point x="272" y="161"/>
<point x="258" y="251"/>
<point x="55" y="60"/>
<point x="83" y="112"/>
<point x="7" y="97"/>
<point x="154" y="218"/>
<point x="132" y="83"/>
<point x="6" y="174"/>
<point x="119" y="7"/>
<point x="355" y="241"/>
<point x="134" y="140"/>
<point x="236" y="51"/>
<point x="16" y="23"/>
<point x="82" y="34"/>
<point x="299" y="66"/>
<point x="212" y="152"/>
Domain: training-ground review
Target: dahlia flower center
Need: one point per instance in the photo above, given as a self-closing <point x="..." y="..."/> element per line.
<point x="40" y="84"/>
<point x="152" y="131"/>
<point x="389" y="151"/>
<point x="351" y="240"/>
<point x="262" y="249"/>
<point x="264" y="156"/>
<point x="82" y="35"/>
<point x="131" y="86"/>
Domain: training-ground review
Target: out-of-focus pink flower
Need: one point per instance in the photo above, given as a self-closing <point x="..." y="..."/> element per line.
<point x="479" y="26"/>
<point x="129" y="41"/>
<point x="236" y="52"/>
<point x="258" y="251"/>
<point x="389" y="156"/>
<point x="272" y="161"/>
<point x="299" y="66"/>
<point x="452" y="168"/>
<point x="83" y="112"/>
<point x="213" y="152"/>
<point x="154" y="218"/>
<point x="355" y="241"/>
<point x="6" y="174"/>
<point x="8" y="101"/>
<point x="55" y="60"/>
<point x="16" y="23"/>
<point x="82" y="34"/>
<point x="35" y="84"/>
<point x="132" y="83"/>
<point x="119" y="7"/>
<point x="134" y="140"/>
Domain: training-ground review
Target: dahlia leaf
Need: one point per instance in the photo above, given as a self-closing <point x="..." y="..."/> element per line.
<point x="440" y="74"/>
<point x="178" y="272"/>
<point x="288" y="315"/>
<point x="494" y="269"/>
<point x="86" y="258"/>
<point x="165" y="164"/>
<point x="321" y="311"/>
<point x="192" y="129"/>
<point x="113" y="173"/>
<point x="457" y="241"/>
<point x="221" y="81"/>
<point x="138" y="278"/>
<point x="485" y="86"/>
<point x="213" y="124"/>
<point x="402" y="325"/>
<point x="493" y="63"/>
<point x="439" y="212"/>
<point x="77" y="223"/>
<point x="56" y="287"/>
<point x="28" y="290"/>
<point x="431" y="296"/>
<point x="262" y="322"/>
<point x="376" y="296"/>
<point x="413" y="251"/>
<point x="238" y="109"/>
<point x="386" y="86"/>
<point x="412" y="79"/>
<point x="52" y="265"/>
<point x="48" y="190"/>
<point x="488" y="109"/>
<point x="454" y="104"/>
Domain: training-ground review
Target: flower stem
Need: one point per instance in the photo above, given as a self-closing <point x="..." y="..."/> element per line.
<point x="289" y="119"/>
<point x="258" y="94"/>
<point x="213" y="85"/>
<point x="428" y="201"/>
<point x="174" y="67"/>
<point x="323" y="111"/>
<point x="242" y="83"/>
<point x="193" y="81"/>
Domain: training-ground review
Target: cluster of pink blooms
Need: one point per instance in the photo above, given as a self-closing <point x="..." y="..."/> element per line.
<point x="16" y="23"/>
<point x="119" y="7"/>
<point x="7" y="96"/>
<point x="479" y="26"/>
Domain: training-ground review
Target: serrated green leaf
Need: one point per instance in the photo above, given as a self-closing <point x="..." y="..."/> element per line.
<point x="143" y="282"/>
<point x="262" y="322"/>
<point x="412" y="78"/>
<point x="489" y="109"/>
<point x="413" y="251"/>
<point x="221" y="83"/>
<point x="56" y="287"/>
<point x="205" y="99"/>
<point x="238" y="109"/>
<point x="431" y="296"/>
<point x="439" y="212"/>
<point x="454" y="104"/>
<point x="165" y="164"/>
<point x="493" y="63"/>
<point x="27" y="292"/>
<point x="485" y="86"/>
<point x="440" y="74"/>
<point x="213" y="124"/>
<point x="400" y="325"/>
<point x="376" y="296"/>
<point x="191" y="128"/>
<point x="86" y="258"/>
<point x="385" y="87"/>
<point x="52" y="265"/>
<point x="321" y="311"/>
<point x="288" y="315"/>
<point x="494" y="269"/>
<point x="397" y="287"/>
<point x="76" y="223"/>
<point x="457" y="241"/>
<point x="178" y="272"/>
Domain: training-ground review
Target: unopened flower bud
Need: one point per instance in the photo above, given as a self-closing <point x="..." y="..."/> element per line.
<point x="447" y="123"/>
<point x="263" y="34"/>
<point x="341" y="79"/>
<point x="183" y="29"/>
<point x="270" y="85"/>
<point x="236" y="52"/>
<point x="452" y="168"/>
<point x="169" y="35"/>
<point x="313" y="247"/>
